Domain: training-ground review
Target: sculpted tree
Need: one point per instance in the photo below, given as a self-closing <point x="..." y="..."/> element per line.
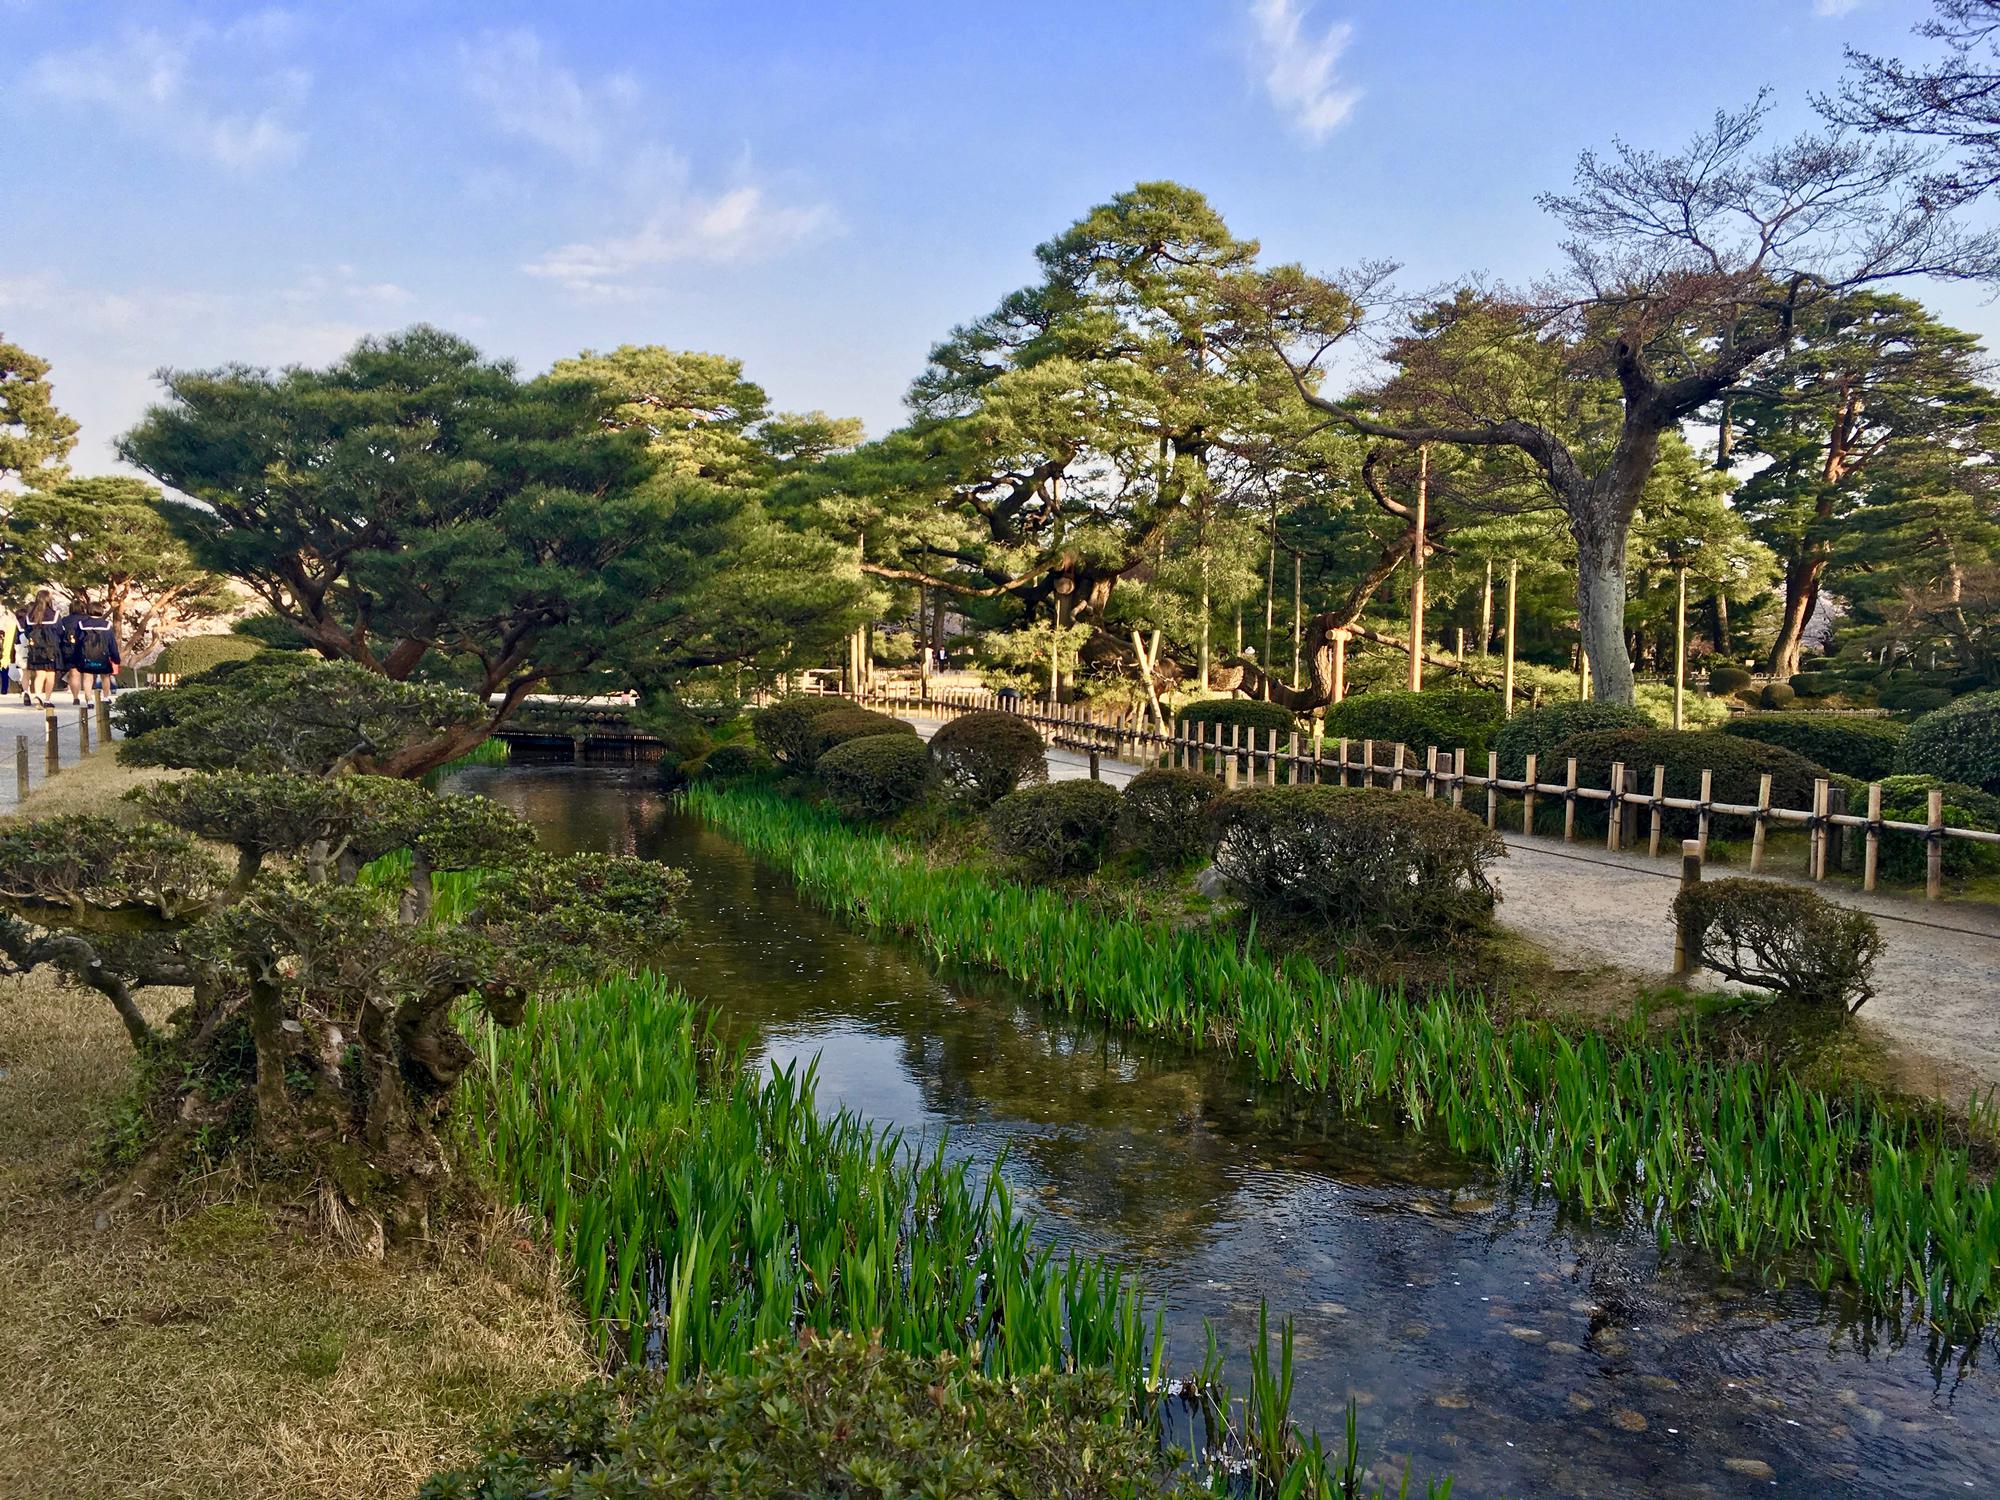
<point x="1954" y="102"/>
<point x="35" y="438"/>
<point x="1687" y="272"/>
<point x="419" y="510"/>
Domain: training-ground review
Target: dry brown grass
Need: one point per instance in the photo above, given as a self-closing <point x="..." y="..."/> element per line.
<point x="91" y="785"/>
<point x="212" y="1347"/>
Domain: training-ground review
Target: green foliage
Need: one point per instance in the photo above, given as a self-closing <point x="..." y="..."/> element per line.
<point x="787" y="729"/>
<point x="1959" y="741"/>
<point x="733" y="761"/>
<point x="82" y="861"/>
<point x="826" y="1416"/>
<point x="1905" y="856"/>
<point x="983" y="756"/>
<point x="1165" y="814"/>
<point x="1725" y="682"/>
<point x="850" y="723"/>
<point x="1816" y="684"/>
<point x="1913" y="697"/>
<point x="1400" y="866"/>
<point x="1738" y="765"/>
<point x="354" y="817"/>
<point x="1538" y="731"/>
<point x="1450" y="718"/>
<point x="35" y="438"/>
<point x="1782" y="938"/>
<point x="1062" y="828"/>
<point x="563" y="920"/>
<point x="1741" y="1157"/>
<point x="1851" y="744"/>
<point x="1776" y="695"/>
<point x="197" y="653"/>
<point x="1247" y="713"/>
<point x="284" y="711"/>
<point x="876" y="776"/>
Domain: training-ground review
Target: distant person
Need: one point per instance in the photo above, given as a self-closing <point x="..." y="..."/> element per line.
<point x="95" y="650"/>
<point x="10" y="640"/>
<point x="44" y="649"/>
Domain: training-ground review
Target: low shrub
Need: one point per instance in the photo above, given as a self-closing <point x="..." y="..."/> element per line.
<point x="1906" y="856"/>
<point x="197" y="653"/>
<point x="1249" y="713"/>
<point x="1782" y="938"/>
<point x="1395" y="864"/>
<point x="1725" y="681"/>
<point x="1063" y="828"/>
<point x="1449" y="718"/>
<point x="1913" y="697"/>
<point x="1816" y="684"/>
<point x="733" y="761"/>
<point x="1851" y="744"/>
<point x="986" y="755"/>
<point x="1541" y="730"/>
<point x="826" y="1417"/>
<point x="846" y="724"/>
<point x="1777" y="695"/>
<point x="876" y="776"/>
<point x="1164" y="815"/>
<point x="1738" y="765"/>
<point x="1959" y="741"/>
<point x="786" y="729"/>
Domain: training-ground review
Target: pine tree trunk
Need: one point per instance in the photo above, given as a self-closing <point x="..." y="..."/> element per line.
<point x="1600" y="600"/>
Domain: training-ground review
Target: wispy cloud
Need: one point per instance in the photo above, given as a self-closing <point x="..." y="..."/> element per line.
<point x="646" y="210"/>
<point x="1300" y="72"/>
<point x="187" y="88"/>
<point x="1829" y="9"/>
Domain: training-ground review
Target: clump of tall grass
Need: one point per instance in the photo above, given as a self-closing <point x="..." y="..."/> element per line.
<point x="705" y="1210"/>
<point x="1738" y="1157"/>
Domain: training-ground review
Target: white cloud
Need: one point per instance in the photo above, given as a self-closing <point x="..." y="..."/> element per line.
<point x="534" y="98"/>
<point x="1298" y="71"/>
<point x="738" y="225"/>
<point x="166" y="87"/>
<point x="1835" y="8"/>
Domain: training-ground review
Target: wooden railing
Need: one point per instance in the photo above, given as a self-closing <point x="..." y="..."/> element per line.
<point x="1635" y="796"/>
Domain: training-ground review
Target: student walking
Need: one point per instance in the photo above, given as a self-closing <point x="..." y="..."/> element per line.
<point x="94" y="648"/>
<point x="10" y="637"/>
<point x="45" y="649"/>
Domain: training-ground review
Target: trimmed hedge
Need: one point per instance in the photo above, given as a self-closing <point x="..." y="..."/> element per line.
<point x="1541" y="730"/>
<point x="1394" y="864"/>
<point x="1724" y="681"/>
<point x="1063" y="828"/>
<point x="1959" y="741"/>
<point x="1777" y="695"/>
<point x="983" y="756"/>
<point x="1905" y="856"/>
<point x="1816" y="684"/>
<point x="1737" y="763"/>
<point x="847" y="724"/>
<point x="876" y="776"/>
<point x="1782" y="938"/>
<point x="1449" y="718"/>
<point x="1250" y="713"/>
<point x="1913" y="697"/>
<point x="197" y="653"/>
<point x="786" y="729"/>
<point x="1860" y="747"/>
<point x="1165" y="814"/>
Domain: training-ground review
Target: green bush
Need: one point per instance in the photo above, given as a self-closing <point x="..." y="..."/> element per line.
<point x="1782" y="938"/>
<point x="1249" y="713"/>
<point x="1540" y="730"/>
<point x="1395" y="864"/>
<point x="1913" y="697"/>
<point x="1449" y="718"/>
<point x="1906" y="799"/>
<point x="786" y="729"/>
<point x="829" y="730"/>
<point x="1063" y="828"/>
<point x="1816" y="684"/>
<point x="1738" y="765"/>
<point x="983" y="756"/>
<point x="733" y="761"/>
<point x="1851" y="744"/>
<point x="1777" y="695"/>
<point x="1725" y="681"/>
<point x="1165" y="814"/>
<point x="1959" y="741"/>
<point x="876" y="776"/>
<point x="820" y="1419"/>
<point x="197" y="653"/>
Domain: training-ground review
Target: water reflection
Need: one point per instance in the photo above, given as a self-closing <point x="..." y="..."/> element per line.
<point x="1479" y="1333"/>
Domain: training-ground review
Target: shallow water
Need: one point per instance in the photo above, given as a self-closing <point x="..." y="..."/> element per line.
<point x="1481" y="1333"/>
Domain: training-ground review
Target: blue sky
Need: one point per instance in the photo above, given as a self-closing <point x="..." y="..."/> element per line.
<point x="821" y="189"/>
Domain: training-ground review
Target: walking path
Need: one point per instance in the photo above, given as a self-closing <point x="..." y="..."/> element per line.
<point x="1937" y="983"/>
<point x="18" y="721"/>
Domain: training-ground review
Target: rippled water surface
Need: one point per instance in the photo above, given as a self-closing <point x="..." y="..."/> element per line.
<point x="1480" y="1333"/>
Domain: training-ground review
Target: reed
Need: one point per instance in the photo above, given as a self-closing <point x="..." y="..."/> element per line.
<point x="704" y="1209"/>
<point x="1737" y="1157"/>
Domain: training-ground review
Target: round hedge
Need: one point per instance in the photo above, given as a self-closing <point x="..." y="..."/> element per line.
<point x="785" y="729"/>
<point x="1541" y="730"/>
<point x="1851" y="744"/>
<point x="876" y="776"/>
<point x="1063" y="828"/>
<point x="1816" y="684"/>
<point x="1777" y="695"/>
<point x="1914" y="697"/>
<point x="1449" y="718"/>
<point x="985" y="755"/>
<point x="1906" y="799"/>
<point x="847" y="724"/>
<point x="1249" y="713"/>
<point x="1165" y="814"/>
<point x="1738" y="764"/>
<point x="197" y="653"/>
<point x="1724" y="681"/>
<point x="1959" y="742"/>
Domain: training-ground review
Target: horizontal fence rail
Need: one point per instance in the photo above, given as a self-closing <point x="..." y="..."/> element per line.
<point x="1636" y="794"/>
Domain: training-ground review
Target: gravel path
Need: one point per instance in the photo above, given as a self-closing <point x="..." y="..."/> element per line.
<point x="1938" y="981"/>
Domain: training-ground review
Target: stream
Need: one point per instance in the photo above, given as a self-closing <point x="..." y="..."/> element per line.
<point x="1480" y="1333"/>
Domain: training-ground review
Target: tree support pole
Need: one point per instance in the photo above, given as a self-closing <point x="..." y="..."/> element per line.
<point x="1416" y="677"/>
<point x="1513" y="582"/>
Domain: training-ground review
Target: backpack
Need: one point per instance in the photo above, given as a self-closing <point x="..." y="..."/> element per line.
<point x="94" y="645"/>
<point x="45" y="642"/>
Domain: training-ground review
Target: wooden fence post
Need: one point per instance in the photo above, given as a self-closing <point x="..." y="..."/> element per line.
<point x="1340" y="771"/>
<point x="1687" y="942"/>
<point x="1614" y="810"/>
<point x="1871" y="850"/>
<point x="21" y="767"/>
<point x="82" y="730"/>
<point x="1430" y="772"/>
<point x="1492" y="788"/>
<point x="1569" y="802"/>
<point x="1836" y="833"/>
<point x="1396" y="765"/>
<point x="1934" y="848"/>
<point x="1707" y="796"/>
<point x="53" y="729"/>
<point x="1093" y="764"/>
<point x="1763" y="821"/>
<point x="1816" y="832"/>
<point x="1368" y="763"/>
<point x="1528" y="794"/>
<point x="103" y="719"/>
<point x="1458" y="777"/>
<point x="1292" y="752"/>
<point x="1659" y="813"/>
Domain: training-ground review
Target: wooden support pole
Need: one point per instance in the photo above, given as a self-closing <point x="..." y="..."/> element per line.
<point x="1458" y="777"/>
<point x="1569" y="802"/>
<point x="1871" y="851"/>
<point x="1396" y="758"/>
<point x="21" y="767"/>
<point x="1614" y="820"/>
<point x="1339" y="665"/>
<point x="1757" y="833"/>
<point x="1416" y="677"/>
<point x="1492" y="788"/>
<point x="1816" y="836"/>
<point x="1430" y="770"/>
<point x="1528" y="794"/>
<point x="82" y="730"/>
<point x="1934" y="847"/>
<point x="1368" y="763"/>
<point x="1687" y="942"/>
<point x="1486" y="612"/>
<point x="1507" y="692"/>
<point x="1341" y="772"/>
<point x="1292" y="752"/>
<point x="51" y="731"/>
<point x="1680" y="644"/>
<point x="1707" y="796"/>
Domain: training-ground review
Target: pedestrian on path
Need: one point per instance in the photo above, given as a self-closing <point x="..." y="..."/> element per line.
<point x="44" y="649"/>
<point x="10" y="641"/>
<point x="94" y="647"/>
